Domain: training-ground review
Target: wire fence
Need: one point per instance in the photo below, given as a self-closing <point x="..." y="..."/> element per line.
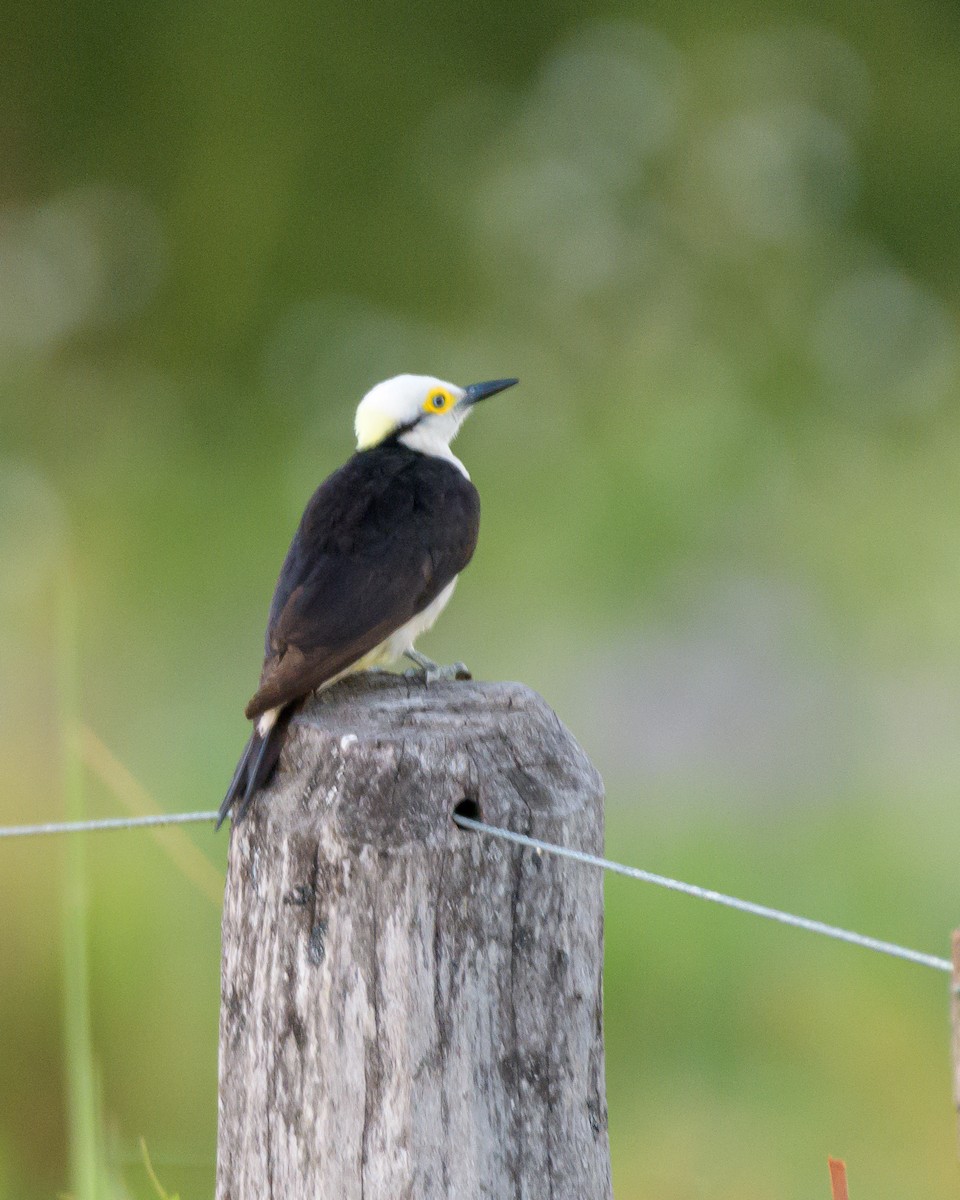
<point x="102" y="823"/>
<point x="541" y="847"/>
<point x="701" y="893"/>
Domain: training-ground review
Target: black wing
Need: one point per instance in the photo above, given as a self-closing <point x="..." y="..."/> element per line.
<point x="379" y="540"/>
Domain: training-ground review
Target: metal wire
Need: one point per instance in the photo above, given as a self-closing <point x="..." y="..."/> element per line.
<point x="691" y="889"/>
<point x="12" y="831"/>
<point x="520" y="839"/>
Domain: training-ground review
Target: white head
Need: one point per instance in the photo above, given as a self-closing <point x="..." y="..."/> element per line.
<point x="424" y="413"/>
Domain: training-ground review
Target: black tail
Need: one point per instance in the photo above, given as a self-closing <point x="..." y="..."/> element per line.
<point x="254" y="768"/>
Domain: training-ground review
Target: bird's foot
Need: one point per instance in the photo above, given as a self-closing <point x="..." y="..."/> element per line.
<point x="431" y="672"/>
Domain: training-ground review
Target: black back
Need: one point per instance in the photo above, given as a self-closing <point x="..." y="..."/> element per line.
<point x="378" y="541"/>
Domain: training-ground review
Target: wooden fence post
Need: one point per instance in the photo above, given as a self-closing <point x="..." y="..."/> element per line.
<point x="408" y="1010"/>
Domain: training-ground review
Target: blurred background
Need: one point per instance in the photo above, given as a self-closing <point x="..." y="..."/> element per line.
<point x="721" y="520"/>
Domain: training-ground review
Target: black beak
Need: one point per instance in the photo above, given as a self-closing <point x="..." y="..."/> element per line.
<point x="480" y="391"/>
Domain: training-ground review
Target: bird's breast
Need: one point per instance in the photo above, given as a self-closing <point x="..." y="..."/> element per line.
<point x="403" y="639"/>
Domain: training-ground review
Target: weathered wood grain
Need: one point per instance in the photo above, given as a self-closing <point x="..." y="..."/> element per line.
<point x="410" y="1011"/>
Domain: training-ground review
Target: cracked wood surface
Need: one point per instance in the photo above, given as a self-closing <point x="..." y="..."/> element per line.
<point x="410" y="1011"/>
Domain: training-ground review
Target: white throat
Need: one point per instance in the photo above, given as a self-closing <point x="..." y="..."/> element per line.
<point x="428" y="440"/>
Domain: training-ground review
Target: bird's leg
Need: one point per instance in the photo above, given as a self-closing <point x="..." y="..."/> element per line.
<point x="430" y="672"/>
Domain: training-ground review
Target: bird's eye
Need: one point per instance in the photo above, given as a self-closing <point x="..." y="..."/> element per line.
<point x="437" y="402"/>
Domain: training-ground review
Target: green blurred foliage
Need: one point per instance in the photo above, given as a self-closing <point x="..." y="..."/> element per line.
<point x="720" y="516"/>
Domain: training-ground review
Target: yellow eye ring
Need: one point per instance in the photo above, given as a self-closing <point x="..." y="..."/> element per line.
<point x="438" y="402"/>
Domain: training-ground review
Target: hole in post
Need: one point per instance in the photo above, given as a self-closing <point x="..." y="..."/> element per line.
<point x="470" y="809"/>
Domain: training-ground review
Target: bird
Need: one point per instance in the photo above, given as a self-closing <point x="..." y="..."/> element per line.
<point x="372" y="564"/>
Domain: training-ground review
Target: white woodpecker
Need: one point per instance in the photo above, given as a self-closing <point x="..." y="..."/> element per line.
<point x="372" y="564"/>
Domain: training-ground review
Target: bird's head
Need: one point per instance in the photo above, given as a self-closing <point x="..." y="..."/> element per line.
<point x="425" y="413"/>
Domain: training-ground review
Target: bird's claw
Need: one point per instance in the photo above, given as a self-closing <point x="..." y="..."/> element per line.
<point x="438" y="674"/>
